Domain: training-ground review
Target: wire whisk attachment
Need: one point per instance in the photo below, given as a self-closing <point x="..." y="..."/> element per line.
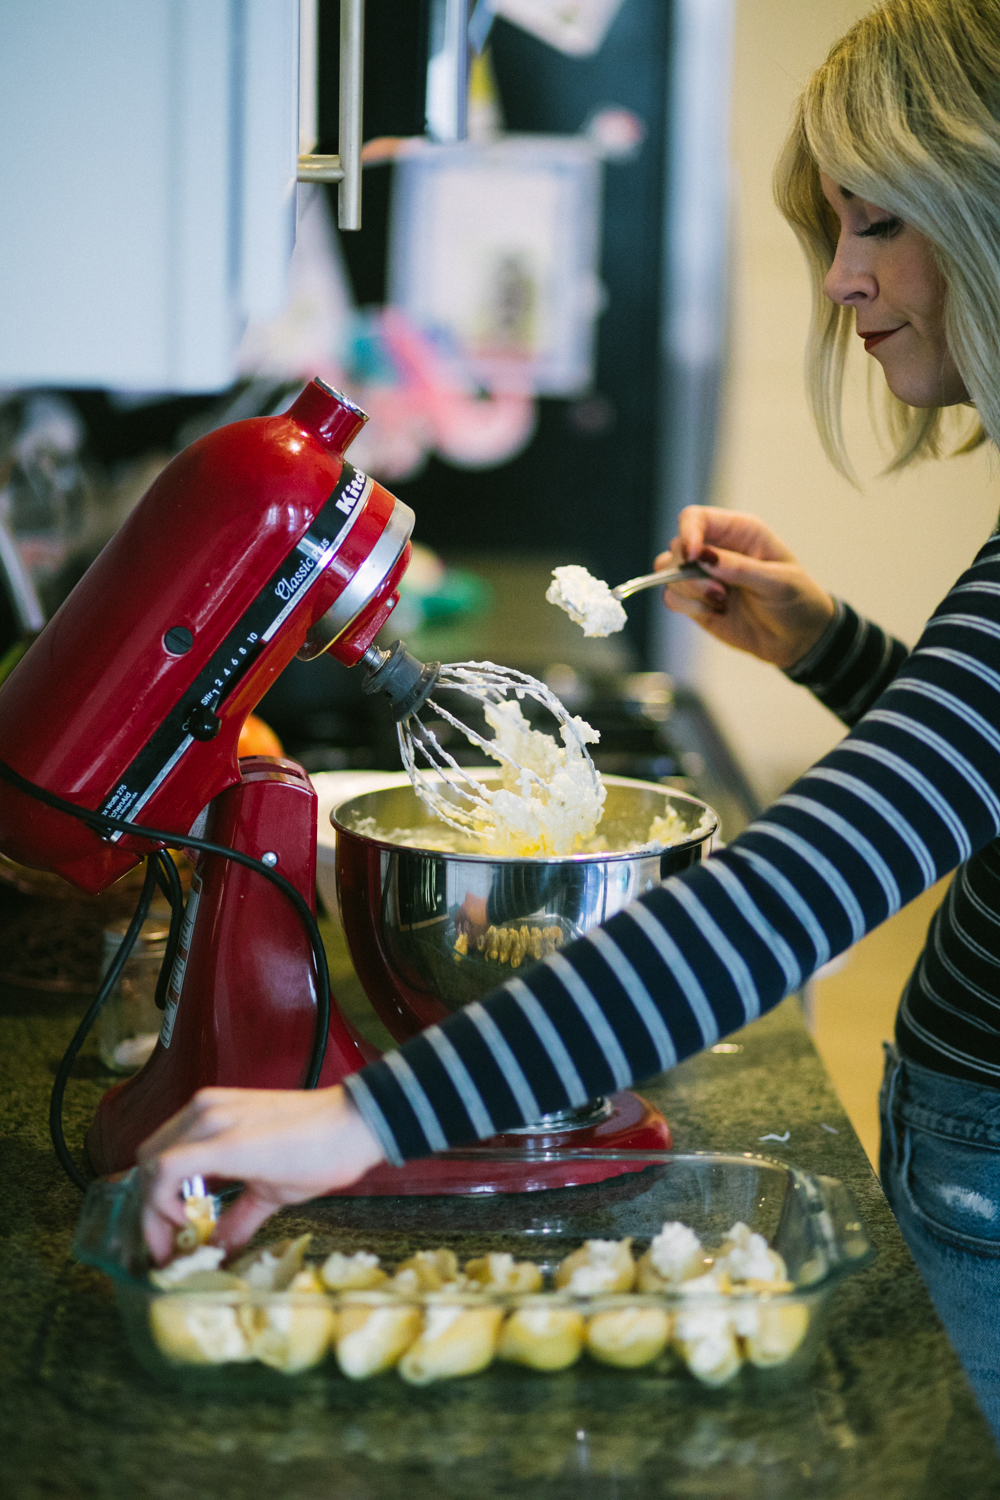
<point x="550" y="796"/>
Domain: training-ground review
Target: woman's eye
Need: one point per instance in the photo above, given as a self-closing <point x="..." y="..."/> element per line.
<point x="882" y="229"/>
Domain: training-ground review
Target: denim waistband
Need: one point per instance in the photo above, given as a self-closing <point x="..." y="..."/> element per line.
<point x="937" y="1102"/>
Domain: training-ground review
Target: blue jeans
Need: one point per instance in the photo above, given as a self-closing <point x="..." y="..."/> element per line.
<point x="940" y="1170"/>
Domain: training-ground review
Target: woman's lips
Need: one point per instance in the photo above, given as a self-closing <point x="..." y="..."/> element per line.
<point x="871" y="339"/>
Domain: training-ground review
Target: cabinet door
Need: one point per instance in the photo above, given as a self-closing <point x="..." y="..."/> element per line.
<point x="147" y="176"/>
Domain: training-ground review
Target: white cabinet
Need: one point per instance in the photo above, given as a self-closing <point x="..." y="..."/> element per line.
<point x="147" y="186"/>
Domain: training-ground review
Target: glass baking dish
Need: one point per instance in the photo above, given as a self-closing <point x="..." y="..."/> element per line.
<point x="810" y="1220"/>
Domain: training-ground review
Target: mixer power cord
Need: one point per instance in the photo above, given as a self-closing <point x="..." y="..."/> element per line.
<point x="160" y="869"/>
<point x="169" y="882"/>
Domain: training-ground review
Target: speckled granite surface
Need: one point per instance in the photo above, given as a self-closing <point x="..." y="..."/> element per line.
<point x="886" y="1412"/>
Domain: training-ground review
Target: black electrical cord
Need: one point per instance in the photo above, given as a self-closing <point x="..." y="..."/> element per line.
<point x="169" y="882"/>
<point x="80" y="1036"/>
<point x="105" y="826"/>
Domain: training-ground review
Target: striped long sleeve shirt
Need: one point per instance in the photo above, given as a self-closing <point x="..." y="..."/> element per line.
<point x="909" y="794"/>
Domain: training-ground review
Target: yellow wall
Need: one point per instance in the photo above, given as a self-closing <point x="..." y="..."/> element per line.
<point x="892" y="550"/>
<point x="853" y="1010"/>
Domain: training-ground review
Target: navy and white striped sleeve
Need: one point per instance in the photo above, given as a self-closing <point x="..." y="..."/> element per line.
<point x="911" y="792"/>
<point x="851" y="664"/>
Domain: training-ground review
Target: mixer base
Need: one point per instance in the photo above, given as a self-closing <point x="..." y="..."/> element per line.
<point x="628" y="1123"/>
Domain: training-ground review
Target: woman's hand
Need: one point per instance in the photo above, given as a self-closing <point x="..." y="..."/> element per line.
<point x="757" y="597"/>
<point x="287" y="1145"/>
<point x="471" y="918"/>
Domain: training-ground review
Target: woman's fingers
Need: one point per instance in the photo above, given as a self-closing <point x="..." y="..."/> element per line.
<point x="158" y="1233"/>
<point x="165" y="1175"/>
<point x="687" y="544"/>
<point x="244" y="1218"/>
<point x="777" y="582"/>
<point x="162" y="1212"/>
<point x="701" y="526"/>
<point x="285" y="1144"/>
<point x="767" y="580"/>
<point x="696" y="598"/>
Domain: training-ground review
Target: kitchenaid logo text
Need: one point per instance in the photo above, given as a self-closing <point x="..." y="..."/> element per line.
<point x="286" y="587"/>
<point x="352" y="491"/>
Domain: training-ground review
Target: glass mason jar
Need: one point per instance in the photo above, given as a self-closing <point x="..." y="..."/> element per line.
<point x="129" y="1023"/>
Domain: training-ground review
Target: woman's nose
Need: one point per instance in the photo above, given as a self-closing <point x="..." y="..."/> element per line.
<point x="849" y="280"/>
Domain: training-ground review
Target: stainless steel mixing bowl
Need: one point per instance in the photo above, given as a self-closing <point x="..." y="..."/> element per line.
<point x="414" y="917"/>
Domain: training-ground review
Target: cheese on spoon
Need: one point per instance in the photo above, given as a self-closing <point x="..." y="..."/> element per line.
<point x="587" y="600"/>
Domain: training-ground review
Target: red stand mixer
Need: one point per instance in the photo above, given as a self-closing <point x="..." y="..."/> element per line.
<point x="258" y="543"/>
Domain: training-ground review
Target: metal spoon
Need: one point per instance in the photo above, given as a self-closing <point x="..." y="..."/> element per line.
<point x="658" y="580"/>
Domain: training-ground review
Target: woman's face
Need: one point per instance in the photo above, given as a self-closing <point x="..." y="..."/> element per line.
<point x="886" y="271"/>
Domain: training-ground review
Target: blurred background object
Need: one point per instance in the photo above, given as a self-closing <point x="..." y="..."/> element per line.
<point x="21" y="614"/>
<point x="258" y="738"/>
<point x="147" y="171"/>
<point x="45" y="501"/>
<point x="596" y="483"/>
<point x="493" y="248"/>
<point x="576" y="27"/>
<point x="129" y="1023"/>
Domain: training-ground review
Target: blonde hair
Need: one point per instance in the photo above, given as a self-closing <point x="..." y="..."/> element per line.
<point x="904" y="113"/>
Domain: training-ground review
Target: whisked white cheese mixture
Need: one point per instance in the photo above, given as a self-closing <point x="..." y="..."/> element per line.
<point x="587" y="600"/>
<point x="550" y="801"/>
<point x="665" y="830"/>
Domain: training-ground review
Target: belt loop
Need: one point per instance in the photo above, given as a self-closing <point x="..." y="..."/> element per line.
<point x="904" y="1169"/>
<point x="893" y="1068"/>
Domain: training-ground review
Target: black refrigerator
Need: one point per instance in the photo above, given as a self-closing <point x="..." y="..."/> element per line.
<point x="593" y="485"/>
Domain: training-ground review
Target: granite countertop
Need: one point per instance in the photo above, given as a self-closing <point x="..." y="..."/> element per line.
<point x="886" y="1412"/>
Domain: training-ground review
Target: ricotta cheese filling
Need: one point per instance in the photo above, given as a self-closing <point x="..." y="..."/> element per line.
<point x="205" y="1258"/>
<point x="587" y="600"/>
<point x="748" y="1256"/>
<point x="601" y="1270"/>
<point x="676" y="1251"/>
<point x="549" y="801"/>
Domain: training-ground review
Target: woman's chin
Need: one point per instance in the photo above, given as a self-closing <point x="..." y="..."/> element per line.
<point x="923" y="389"/>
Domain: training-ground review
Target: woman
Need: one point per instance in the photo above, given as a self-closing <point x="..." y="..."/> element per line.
<point x="891" y="178"/>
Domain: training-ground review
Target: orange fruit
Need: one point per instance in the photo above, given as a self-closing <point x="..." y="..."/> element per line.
<point x="258" y="738"/>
